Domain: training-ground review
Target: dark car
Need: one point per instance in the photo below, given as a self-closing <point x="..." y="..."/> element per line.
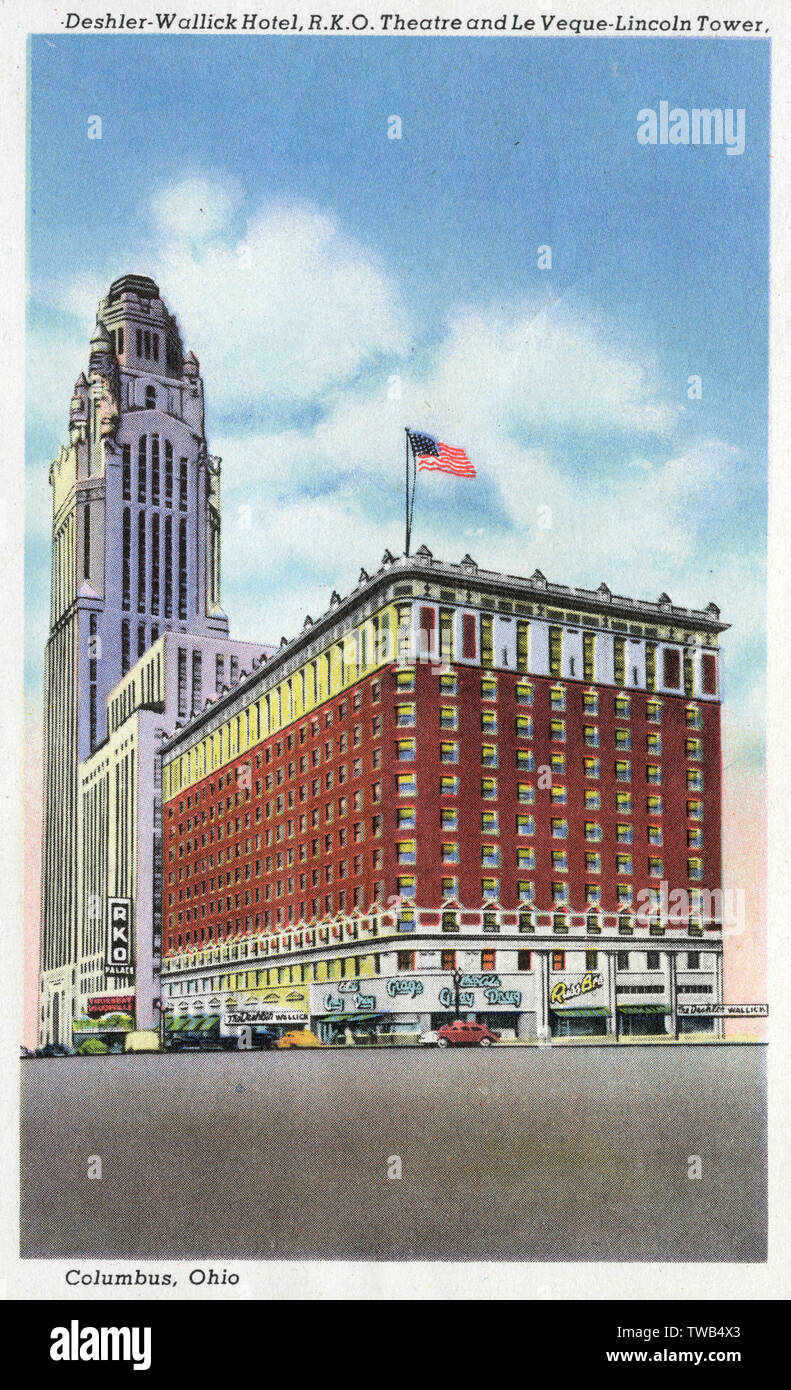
<point x="54" y="1050"/>
<point x="464" y="1034"/>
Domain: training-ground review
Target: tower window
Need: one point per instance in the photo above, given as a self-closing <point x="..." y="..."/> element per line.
<point x="155" y="345"/>
<point x="126" y="564"/>
<point x="151" y="398"/>
<point x="168" y="567"/>
<point x="168" y="473"/>
<point x="155" y="470"/>
<point x="141" y="638"/>
<point x="183" y="570"/>
<point x="141" y="469"/>
<point x="124" y="646"/>
<point x="140" y="342"/>
<point x="183" y="485"/>
<point x="126" y="473"/>
<point x="141" y="562"/>
<point x="155" y="563"/>
<point x="86" y="540"/>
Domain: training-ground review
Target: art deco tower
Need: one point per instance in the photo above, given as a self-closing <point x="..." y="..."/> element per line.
<point x="135" y="551"/>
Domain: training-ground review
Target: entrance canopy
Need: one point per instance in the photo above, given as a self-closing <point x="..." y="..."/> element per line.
<point x="644" y="1008"/>
<point x="582" y="1013"/>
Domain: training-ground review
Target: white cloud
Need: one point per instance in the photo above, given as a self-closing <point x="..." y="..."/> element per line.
<point x="194" y="210"/>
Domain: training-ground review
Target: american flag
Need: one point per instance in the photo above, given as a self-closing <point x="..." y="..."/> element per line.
<point x="431" y="453"/>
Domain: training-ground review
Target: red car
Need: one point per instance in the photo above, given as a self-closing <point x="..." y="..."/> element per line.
<point x="464" y="1034"/>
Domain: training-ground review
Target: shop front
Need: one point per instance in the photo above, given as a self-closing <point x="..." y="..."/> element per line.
<point x="261" y="1016"/>
<point x="642" y="1020"/>
<point x="400" y="1008"/>
<point x="103" y="1027"/>
<point x="580" y="1023"/>
<point x="579" y="1006"/>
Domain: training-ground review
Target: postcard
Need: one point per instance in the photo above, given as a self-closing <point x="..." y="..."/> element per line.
<point x="391" y="831"/>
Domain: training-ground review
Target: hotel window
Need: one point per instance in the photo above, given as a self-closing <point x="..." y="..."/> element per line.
<point x="168" y="473"/>
<point x="656" y="868"/>
<point x="450" y="889"/>
<point x="449" y="818"/>
<point x="169" y="569"/>
<point x="447" y="685"/>
<point x="526" y="760"/>
<point x="671" y="668"/>
<point x="591" y="960"/>
<point x="448" y="786"/>
<point x="593" y="923"/>
<point x="489" y="788"/>
<point x="405" y="716"/>
<point x="650" y="666"/>
<point x="695" y="810"/>
<point x="406" y="960"/>
<point x="591" y="767"/>
<point x="623" y="738"/>
<point x="489" y="721"/>
<point x="450" y="853"/>
<point x="590" y="702"/>
<point x="406" y="851"/>
<point x="623" y="834"/>
<point x="619" y="660"/>
<point x="490" y="824"/>
<point x="693" y="960"/>
<point x="557" y="762"/>
<point x="405" y="750"/>
<point x="524" y="693"/>
<point x="593" y="862"/>
<point x="558" y="796"/>
<point x="624" y="894"/>
<point x="589" y="656"/>
<point x="526" y="793"/>
<point x="490" y="889"/>
<point x="125" y="653"/>
<point x="593" y="895"/>
<point x="405" y="681"/>
<point x="622" y="706"/>
<point x="450" y="920"/>
<point x="693" y="717"/>
<point x="526" y="858"/>
<point x="448" y="960"/>
<point x="446" y="635"/>
<point x="623" y="772"/>
<point x="448" y="717"/>
<point x="558" y="960"/>
<point x="524" y="960"/>
<point x="406" y="784"/>
<point x="557" y="698"/>
<point x="405" y="818"/>
<point x="488" y="961"/>
<point x="654" y="805"/>
<point x="525" y="825"/>
<point x="490" y="856"/>
<point x="653" y="743"/>
<point x="622" y="957"/>
<point x="428" y="622"/>
<point x="555" y="651"/>
<point x="653" y="712"/>
<point x="405" y="886"/>
<point x="155" y="563"/>
<point x="559" y="861"/>
<point x="524" y="726"/>
<point x="593" y="830"/>
<point x="526" y="892"/>
<point x="694" y="780"/>
<point x="449" y="752"/>
<point x="560" y="894"/>
<point x="591" y="735"/>
<point x="489" y="755"/>
<point x="689" y="674"/>
<point x="560" y="829"/>
<point x="694" y="748"/>
<point x="155" y="470"/>
<point x="592" y="799"/>
<point x="557" y="730"/>
<point x="695" y="868"/>
<point x="695" y="838"/>
<point x="182" y="571"/>
<point x="709" y="673"/>
<point x="487" y="641"/>
<point x="653" y="774"/>
<point x="623" y="803"/>
<point x="469" y="637"/>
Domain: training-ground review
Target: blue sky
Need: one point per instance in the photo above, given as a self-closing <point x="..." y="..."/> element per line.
<point x="337" y="285"/>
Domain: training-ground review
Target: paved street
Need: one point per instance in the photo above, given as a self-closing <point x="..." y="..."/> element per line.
<point x="576" y="1153"/>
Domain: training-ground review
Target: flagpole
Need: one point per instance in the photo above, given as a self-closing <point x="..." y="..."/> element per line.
<point x="406" y="496"/>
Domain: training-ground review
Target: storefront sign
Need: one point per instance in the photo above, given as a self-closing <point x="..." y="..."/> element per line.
<point x="723" y="1010"/>
<point x="426" y="993"/>
<point x="260" y="1018"/>
<point x="99" y="1004"/>
<point x="563" y="991"/>
<point x="261" y="1007"/>
<point x="119" y="934"/>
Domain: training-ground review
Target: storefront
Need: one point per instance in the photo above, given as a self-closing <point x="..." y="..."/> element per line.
<point x="400" y="1008"/>
<point x="579" y="1005"/>
<point x="642" y="1020"/>
<point x="263" y="1015"/>
<point x="579" y="1023"/>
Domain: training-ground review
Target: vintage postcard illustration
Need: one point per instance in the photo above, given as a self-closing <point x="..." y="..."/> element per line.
<point x="395" y="588"/>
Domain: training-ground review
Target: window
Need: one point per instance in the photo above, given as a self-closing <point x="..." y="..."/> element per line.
<point x="623" y="803"/>
<point x="653" y="712"/>
<point x="619" y="660"/>
<point x="655" y="835"/>
<point x="623" y="738"/>
<point x="524" y="960"/>
<point x="694" y="780"/>
<point x="653" y="774"/>
<point x="405" y="716"/>
<point x="448" y="960"/>
<point x="488" y="961"/>
<point x="489" y="788"/>
<point x="525" y="792"/>
<point x="449" y="752"/>
<point x="448" y="717"/>
<point x="695" y="868"/>
<point x="693" y="960"/>
<point x="593" y="862"/>
<point x="489" y="755"/>
<point x="558" y="960"/>
<point x="524" y="726"/>
<point x="490" y="856"/>
<point x="622" y="960"/>
<point x="623" y="834"/>
<point x="591" y="960"/>
<point x="591" y="767"/>
<point x="469" y="636"/>
<point x="405" y="681"/>
<point x="559" y="861"/>
<point x="447" y="685"/>
<point x="449" y="818"/>
<point x="695" y="838"/>
<point x="489" y="721"/>
<point x="694" y="748"/>
<point x="656" y="868"/>
<point x="526" y="858"/>
<point x="589" y="656"/>
<point x="405" y="750"/>
<point x="591" y="735"/>
<point x="448" y="786"/>
<point x="406" y="960"/>
<point x="450" y="853"/>
<point x="709" y="673"/>
<point x="405" y="886"/>
<point x="557" y="730"/>
<point x="526" y="762"/>
<point x="555" y="651"/>
<point x="671" y="668"/>
<point x="524" y="693"/>
<point x="592" y="799"/>
<point x="652" y="960"/>
<point x="557" y="698"/>
<point x="406" y="784"/>
<point x="593" y="830"/>
<point x="405" y="817"/>
<point x="590" y="701"/>
<point x="593" y="894"/>
<point x="490" y="890"/>
<point x="654" y="805"/>
<point x="560" y="829"/>
<point x="525" y="825"/>
<point x="406" y="851"/>
<point x="622" y="706"/>
<point x="450" y="888"/>
<point x="487" y="642"/>
<point x="490" y="823"/>
<point x="623" y="772"/>
<point x="695" y="810"/>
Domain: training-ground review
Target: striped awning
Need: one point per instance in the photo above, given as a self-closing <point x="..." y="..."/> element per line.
<point x="582" y="1013"/>
<point x="644" y="1008"/>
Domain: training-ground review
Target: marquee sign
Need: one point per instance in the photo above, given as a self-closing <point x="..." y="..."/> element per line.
<point x="119" y="935"/>
<point x="421" y="993"/>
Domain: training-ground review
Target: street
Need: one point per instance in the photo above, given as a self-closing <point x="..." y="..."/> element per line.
<point x="569" y="1153"/>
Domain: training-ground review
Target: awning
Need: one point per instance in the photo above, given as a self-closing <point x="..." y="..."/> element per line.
<point x="644" y="1008"/>
<point x="351" y="1018"/>
<point x="582" y="1013"/>
<point x="210" y="1021"/>
<point x="176" y="1025"/>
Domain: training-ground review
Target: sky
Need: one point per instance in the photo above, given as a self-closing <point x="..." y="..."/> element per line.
<point x="337" y="285"/>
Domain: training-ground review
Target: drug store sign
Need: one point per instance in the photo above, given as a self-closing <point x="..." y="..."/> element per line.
<point x="418" y="994"/>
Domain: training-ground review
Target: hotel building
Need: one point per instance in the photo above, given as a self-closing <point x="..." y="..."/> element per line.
<point x="457" y="791"/>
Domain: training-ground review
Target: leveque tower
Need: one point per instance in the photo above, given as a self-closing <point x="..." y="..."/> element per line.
<point x="135" y="554"/>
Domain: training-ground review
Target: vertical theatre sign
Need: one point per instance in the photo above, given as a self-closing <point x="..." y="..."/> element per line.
<point x="119" y="936"/>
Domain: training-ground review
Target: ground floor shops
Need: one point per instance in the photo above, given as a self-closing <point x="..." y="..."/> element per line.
<point x="532" y="995"/>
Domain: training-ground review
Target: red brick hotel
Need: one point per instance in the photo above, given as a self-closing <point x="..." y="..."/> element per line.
<point x="453" y="770"/>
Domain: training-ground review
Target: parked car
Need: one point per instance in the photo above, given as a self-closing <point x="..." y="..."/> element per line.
<point x="460" y="1033"/>
<point x="429" y="1039"/>
<point x="298" y="1037"/>
<point x="142" y="1040"/>
<point x="54" y="1050"/>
